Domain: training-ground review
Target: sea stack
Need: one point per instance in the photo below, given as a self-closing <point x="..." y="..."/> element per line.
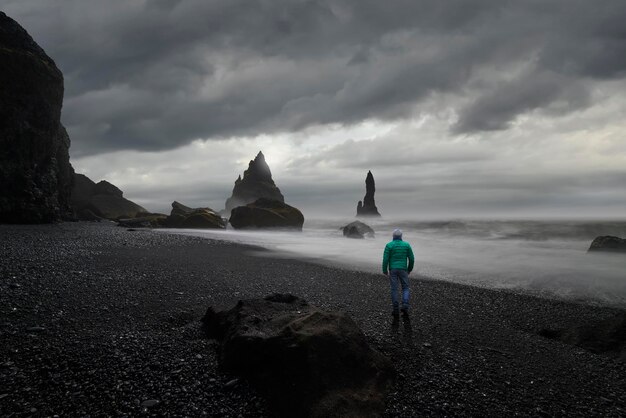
<point x="35" y="171"/>
<point x="368" y="206"/>
<point x="256" y="183"/>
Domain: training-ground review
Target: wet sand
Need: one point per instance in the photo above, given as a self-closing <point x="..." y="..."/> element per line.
<point x="97" y="320"/>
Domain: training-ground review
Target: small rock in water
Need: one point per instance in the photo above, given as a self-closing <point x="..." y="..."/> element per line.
<point x="149" y="403"/>
<point x="427" y="345"/>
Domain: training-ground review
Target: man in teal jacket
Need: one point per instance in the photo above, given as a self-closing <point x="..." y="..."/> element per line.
<point x="395" y="257"/>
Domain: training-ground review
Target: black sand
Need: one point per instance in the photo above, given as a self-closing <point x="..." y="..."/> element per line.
<point x="97" y="320"/>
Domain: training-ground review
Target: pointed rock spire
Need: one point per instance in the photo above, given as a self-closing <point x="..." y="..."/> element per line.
<point x="257" y="182"/>
<point x="368" y="206"/>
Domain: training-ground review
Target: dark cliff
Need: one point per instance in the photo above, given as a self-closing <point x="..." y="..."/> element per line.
<point x="35" y="171"/>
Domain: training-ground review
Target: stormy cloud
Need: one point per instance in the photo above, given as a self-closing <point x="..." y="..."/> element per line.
<point x="155" y="75"/>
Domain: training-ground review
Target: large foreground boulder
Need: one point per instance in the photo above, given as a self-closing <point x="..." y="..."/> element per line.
<point x="605" y="337"/>
<point x="256" y="183"/>
<point x="35" y="170"/>
<point x="265" y="213"/>
<point x="307" y="362"/>
<point x="197" y="218"/>
<point x="357" y="229"/>
<point x="101" y="200"/>
<point x="608" y="243"/>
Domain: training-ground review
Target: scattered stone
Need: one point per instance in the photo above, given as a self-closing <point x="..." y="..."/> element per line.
<point x="605" y="337"/>
<point x="35" y="329"/>
<point x="608" y="243"/>
<point x="306" y="361"/>
<point x="149" y="403"/>
<point x="231" y="383"/>
<point x="357" y="229"/>
<point x="368" y="206"/>
<point x="264" y="213"/>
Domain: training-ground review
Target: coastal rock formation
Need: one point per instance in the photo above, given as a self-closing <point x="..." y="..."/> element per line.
<point x="266" y="213"/>
<point x="357" y="229"/>
<point x="144" y="220"/>
<point x="608" y="243"/>
<point x="606" y="337"/>
<point x="35" y="171"/>
<point x="197" y="218"/>
<point x="92" y="201"/>
<point x="368" y="206"/>
<point x="256" y="183"/>
<point x="307" y="362"/>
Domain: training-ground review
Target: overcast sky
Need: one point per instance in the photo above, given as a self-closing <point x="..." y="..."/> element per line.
<point x="460" y="108"/>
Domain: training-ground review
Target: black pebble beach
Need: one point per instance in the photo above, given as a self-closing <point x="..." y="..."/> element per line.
<point x="97" y="320"/>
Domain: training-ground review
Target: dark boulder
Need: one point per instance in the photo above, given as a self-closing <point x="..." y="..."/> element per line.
<point x="605" y="337"/>
<point x="306" y="362"/>
<point x="103" y="200"/>
<point x="256" y="183"/>
<point x="357" y="229"/>
<point x="608" y="243"/>
<point x="265" y="213"/>
<point x="35" y="170"/>
<point x="197" y="218"/>
<point x="368" y="206"/>
<point x="148" y="220"/>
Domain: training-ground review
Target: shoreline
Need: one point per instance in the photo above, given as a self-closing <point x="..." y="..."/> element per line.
<point x="110" y="317"/>
<point x="355" y="267"/>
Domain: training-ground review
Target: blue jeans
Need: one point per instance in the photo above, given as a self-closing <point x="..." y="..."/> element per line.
<point x="402" y="276"/>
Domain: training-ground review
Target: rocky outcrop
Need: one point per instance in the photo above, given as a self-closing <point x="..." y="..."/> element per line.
<point x="606" y="337"/>
<point x="92" y="201"/>
<point x="265" y="213"/>
<point x="357" y="229"/>
<point x="35" y="171"/>
<point x="148" y="220"/>
<point x="368" y="206"/>
<point x="256" y="183"/>
<point x="307" y="362"/>
<point x="609" y="243"/>
<point x="197" y="218"/>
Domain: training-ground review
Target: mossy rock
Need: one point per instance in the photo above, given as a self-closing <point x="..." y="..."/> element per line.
<point x="266" y="213"/>
<point x="203" y="220"/>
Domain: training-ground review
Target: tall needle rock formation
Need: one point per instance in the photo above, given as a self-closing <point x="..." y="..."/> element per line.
<point x="35" y="171"/>
<point x="256" y="183"/>
<point x="368" y="206"/>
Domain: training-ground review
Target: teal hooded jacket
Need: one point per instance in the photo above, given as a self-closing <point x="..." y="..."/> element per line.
<point x="396" y="254"/>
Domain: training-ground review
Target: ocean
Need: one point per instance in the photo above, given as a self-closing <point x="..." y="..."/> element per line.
<point x="542" y="257"/>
